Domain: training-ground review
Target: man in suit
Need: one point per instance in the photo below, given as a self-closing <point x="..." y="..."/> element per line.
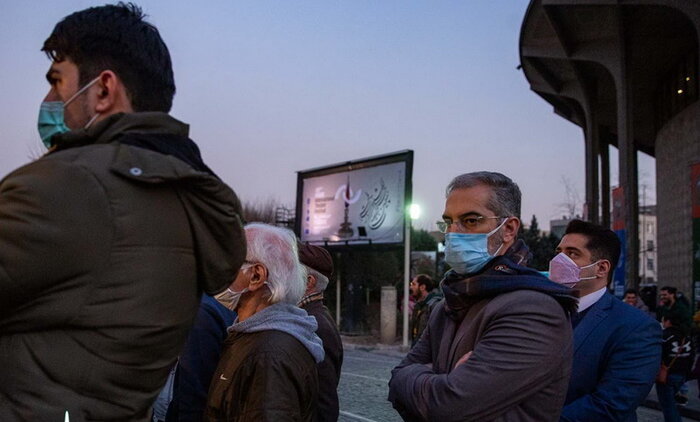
<point x="617" y="348"/>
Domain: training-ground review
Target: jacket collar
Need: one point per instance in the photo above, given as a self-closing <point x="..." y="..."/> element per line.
<point x="499" y="276"/>
<point x="116" y="125"/>
<point x="596" y="314"/>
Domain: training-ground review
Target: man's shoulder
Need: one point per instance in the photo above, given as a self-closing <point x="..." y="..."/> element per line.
<point x="622" y="320"/>
<point x="625" y="314"/>
<point x="51" y="168"/>
<point x="525" y="298"/>
<point x="323" y="316"/>
<point x="272" y="343"/>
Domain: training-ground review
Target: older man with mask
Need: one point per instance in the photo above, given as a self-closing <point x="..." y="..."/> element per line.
<point x="319" y="266"/>
<point x="498" y="348"/>
<point x="267" y="370"/>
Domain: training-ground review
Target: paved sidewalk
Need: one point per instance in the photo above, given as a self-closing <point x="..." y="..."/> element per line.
<point x="368" y="344"/>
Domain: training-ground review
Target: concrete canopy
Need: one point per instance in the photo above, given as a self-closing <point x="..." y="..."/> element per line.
<point x="600" y="64"/>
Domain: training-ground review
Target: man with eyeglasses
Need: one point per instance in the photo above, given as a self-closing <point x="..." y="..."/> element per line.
<point x="499" y="346"/>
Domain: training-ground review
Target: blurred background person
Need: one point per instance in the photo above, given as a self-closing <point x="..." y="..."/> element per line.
<point x="423" y="292"/>
<point x="677" y="356"/>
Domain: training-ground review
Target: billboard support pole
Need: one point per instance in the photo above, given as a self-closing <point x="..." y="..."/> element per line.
<point x="406" y="274"/>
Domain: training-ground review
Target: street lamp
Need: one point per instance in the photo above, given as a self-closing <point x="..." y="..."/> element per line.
<point x="413" y="213"/>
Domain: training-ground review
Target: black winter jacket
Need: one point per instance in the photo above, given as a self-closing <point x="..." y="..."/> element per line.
<point x="263" y="376"/>
<point x="329" y="369"/>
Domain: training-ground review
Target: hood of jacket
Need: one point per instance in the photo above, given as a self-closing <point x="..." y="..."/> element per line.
<point x="154" y="148"/>
<point x="501" y="275"/>
<point x="289" y="319"/>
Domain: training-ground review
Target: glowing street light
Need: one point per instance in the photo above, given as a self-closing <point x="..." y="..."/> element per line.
<point x="414" y="211"/>
<point x="412" y="214"/>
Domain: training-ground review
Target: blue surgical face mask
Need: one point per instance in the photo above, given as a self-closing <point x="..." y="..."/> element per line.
<point x="51" y="121"/>
<point x="467" y="253"/>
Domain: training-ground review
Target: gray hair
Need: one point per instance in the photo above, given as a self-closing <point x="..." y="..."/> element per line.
<point x="505" y="200"/>
<point x="276" y="249"/>
<point x="321" y="280"/>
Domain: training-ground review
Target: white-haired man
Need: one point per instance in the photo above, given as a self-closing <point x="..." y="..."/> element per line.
<point x="267" y="370"/>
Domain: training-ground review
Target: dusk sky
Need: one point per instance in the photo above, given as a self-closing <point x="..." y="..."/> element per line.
<point x="273" y="87"/>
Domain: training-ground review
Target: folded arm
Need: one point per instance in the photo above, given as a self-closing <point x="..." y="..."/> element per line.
<point x="519" y="352"/>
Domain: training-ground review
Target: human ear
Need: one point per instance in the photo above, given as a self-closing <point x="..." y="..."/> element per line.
<point x="111" y="94"/>
<point x="510" y="229"/>
<point x="258" y="277"/>
<point x="310" y="282"/>
<point x="603" y="268"/>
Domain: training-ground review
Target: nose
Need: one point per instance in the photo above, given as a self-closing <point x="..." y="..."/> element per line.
<point x="454" y="226"/>
<point x="51" y="95"/>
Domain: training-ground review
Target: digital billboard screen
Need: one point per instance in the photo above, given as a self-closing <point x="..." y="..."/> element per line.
<point x="356" y="202"/>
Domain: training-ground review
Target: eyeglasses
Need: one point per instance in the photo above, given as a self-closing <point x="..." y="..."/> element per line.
<point x="466" y="223"/>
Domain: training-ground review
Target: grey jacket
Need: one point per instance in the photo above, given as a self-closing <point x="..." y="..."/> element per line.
<point x="519" y="370"/>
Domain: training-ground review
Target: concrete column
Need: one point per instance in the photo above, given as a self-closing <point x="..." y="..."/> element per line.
<point x="628" y="162"/>
<point x="592" y="186"/>
<point x="387" y="315"/>
<point x="605" y="184"/>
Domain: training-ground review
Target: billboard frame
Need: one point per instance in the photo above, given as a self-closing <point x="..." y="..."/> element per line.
<point x="405" y="156"/>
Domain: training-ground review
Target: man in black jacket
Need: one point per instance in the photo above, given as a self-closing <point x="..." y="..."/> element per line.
<point x="319" y="267"/>
<point x="267" y="370"/>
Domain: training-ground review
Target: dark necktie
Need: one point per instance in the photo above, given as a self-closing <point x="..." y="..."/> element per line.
<point x="577" y="317"/>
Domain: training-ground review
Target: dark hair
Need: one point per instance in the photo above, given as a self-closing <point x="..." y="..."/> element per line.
<point x="603" y="243"/>
<point x="425" y="280"/>
<point x="504" y="202"/>
<point x="116" y="38"/>
<point x="631" y="291"/>
<point x="669" y="289"/>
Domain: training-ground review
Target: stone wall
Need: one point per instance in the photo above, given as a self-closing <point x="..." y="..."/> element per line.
<point x="677" y="147"/>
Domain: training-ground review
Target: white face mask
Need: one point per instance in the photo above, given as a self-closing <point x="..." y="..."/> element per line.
<point x="229" y="298"/>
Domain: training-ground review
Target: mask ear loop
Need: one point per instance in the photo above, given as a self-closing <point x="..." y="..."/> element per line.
<point x="587" y="266"/>
<point x="80" y="91"/>
<point x="92" y="120"/>
<point x="494" y="231"/>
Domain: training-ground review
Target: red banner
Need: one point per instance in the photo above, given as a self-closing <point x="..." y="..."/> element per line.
<point x="618" y="213"/>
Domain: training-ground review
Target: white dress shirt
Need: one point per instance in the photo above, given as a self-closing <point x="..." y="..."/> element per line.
<point x="590" y="299"/>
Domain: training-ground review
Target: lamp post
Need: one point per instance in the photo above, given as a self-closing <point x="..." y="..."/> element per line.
<point x="413" y="213"/>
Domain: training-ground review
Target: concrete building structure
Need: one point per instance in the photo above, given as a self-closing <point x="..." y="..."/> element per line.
<point x="626" y="72"/>
<point x="557" y="226"/>
<point x="648" y="260"/>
